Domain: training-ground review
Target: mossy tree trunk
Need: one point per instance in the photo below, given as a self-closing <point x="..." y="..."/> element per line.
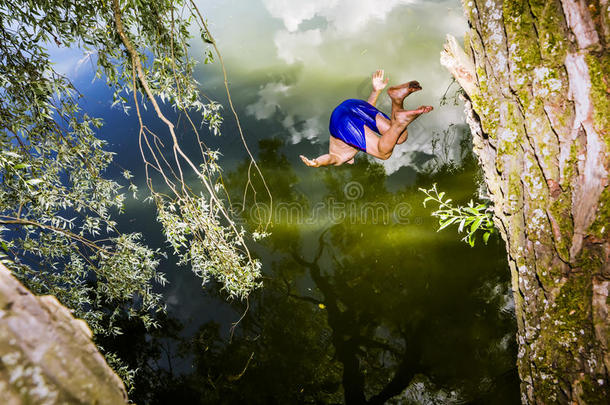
<point x="537" y="78"/>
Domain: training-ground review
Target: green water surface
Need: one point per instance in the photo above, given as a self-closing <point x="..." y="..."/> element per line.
<point x="363" y="301"/>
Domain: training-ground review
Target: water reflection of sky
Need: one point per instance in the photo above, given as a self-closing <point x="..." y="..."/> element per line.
<point x="291" y="62"/>
<point x="309" y="56"/>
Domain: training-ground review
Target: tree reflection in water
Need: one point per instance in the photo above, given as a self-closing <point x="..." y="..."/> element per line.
<point x="351" y="311"/>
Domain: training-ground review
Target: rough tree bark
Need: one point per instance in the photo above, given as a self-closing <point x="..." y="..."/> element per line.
<point x="46" y="355"/>
<point x="537" y="78"/>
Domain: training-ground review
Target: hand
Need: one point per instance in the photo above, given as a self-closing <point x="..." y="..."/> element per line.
<point x="309" y="162"/>
<point x="378" y="82"/>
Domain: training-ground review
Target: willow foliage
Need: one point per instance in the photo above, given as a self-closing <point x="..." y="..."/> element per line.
<point x="57" y="210"/>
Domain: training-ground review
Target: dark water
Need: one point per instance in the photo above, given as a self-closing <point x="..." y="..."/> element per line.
<point x="362" y="298"/>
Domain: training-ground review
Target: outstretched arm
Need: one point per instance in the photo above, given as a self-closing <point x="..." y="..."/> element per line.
<point x="324" y="160"/>
<point x="378" y="85"/>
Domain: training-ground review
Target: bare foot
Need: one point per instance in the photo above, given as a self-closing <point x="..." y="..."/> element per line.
<point x="398" y="93"/>
<point x="408" y="116"/>
<point x="308" y="162"/>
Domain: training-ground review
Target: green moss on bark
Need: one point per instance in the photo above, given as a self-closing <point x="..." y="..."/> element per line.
<point x="523" y="46"/>
<point x="592" y="391"/>
<point x="572" y="309"/>
<point x="601" y="226"/>
<point x="570" y="167"/>
<point x="551" y="27"/>
<point x="560" y="209"/>
<point x="565" y="333"/>
<point x="470" y="9"/>
<point x="599" y="73"/>
<point x="514" y="198"/>
<point x="487" y="108"/>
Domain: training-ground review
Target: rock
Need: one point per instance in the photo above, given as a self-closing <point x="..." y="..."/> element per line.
<point x="46" y="355"/>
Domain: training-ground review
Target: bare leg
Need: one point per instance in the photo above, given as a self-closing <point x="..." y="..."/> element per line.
<point x="402" y="119"/>
<point x="382" y="147"/>
<point x="400" y="92"/>
<point x="397" y="95"/>
<point x="403" y="137"/>
<point x="383" y="124"/>
<point x="388" y="140"/>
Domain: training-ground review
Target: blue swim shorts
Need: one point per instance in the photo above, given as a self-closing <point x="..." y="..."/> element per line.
<point x="348" y="120"/>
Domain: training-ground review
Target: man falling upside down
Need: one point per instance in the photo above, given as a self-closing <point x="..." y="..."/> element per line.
<point x="356" y="125"/>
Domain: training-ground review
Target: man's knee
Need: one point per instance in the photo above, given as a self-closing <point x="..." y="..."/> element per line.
<point x="384" y="153"/>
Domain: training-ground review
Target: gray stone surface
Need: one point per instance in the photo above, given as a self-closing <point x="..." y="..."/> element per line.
<point x="46" y="355"/>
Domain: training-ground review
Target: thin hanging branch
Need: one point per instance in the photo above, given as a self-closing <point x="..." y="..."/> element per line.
<point x="211" y="249"/>
<point x="204" y="26"/>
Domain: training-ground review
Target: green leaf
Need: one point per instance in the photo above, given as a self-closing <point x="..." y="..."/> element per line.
<point x="471" y="210"/>
<point x="486" y="237"/>
<point x="446" y="223"/>
<point x="461" y="227"/>
<point x="475" y="225"/>
<point x="12" y="154"/>
<point x="34" y="182"/>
